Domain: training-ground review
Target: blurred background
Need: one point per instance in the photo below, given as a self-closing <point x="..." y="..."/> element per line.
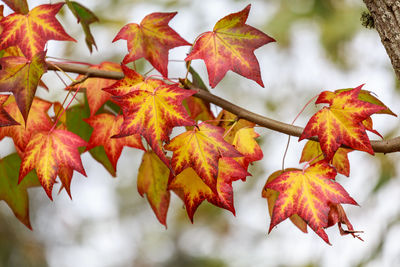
<point x="321" y="45"/>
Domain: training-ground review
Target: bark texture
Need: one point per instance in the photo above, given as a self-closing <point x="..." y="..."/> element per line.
<point x="386" y="15"/>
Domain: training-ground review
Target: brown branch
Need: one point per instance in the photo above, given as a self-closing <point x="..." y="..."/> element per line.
<point x="384" y="146"/>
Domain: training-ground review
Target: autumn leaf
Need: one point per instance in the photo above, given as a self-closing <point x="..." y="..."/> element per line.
<point x="104" y="127"/>
<point x="308" y="193"/>
<point x="31" y="32"/>
<point x="132" y="81"/>
<point x="230" y="46"/>
<point x="14" y="194"/>
<point x="232" y="124"/>
<point x="245" y="143"/>
<point x="240" y="133"/>
<point x="153" y="112"/>
<point x="193" y="191"/>
<point x="199" y="109"/>
<point x="272" y="196"/>
<point x="338" y="215"/>
<point x="312" y="152"/>
<point x="47" y="151"/>
<point x="153" y="181"/>
<point x="95" y="95"/>
<point x="229" y="170"/>
<point x="5" y="118"/>
<point x="19" y="6"/>
<point x="152" y="39"/>
<point x="201" y="148"/>
<point x="21" y="76"/>
<point x="85" y="18"/>
<point x="341" y="122"/>
<point x="38" y="120"/>
<point x="76" y="124"/>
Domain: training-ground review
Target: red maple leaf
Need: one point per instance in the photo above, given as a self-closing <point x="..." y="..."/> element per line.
<point x="308" y="193"/>
<point x="152" y="112"/>
<point x="230" y="46"/>
<point x="47" y="152"/>
<point x="104" y="127"/>
<point x="341" y="122"/>
<point x="96" y="97"/>
<point x="201" y="149"/>
<point x="193" y="191"/>
<point x="31" y="32"/>
<point x="152" y="39"/>
<point x="38" y="120"/>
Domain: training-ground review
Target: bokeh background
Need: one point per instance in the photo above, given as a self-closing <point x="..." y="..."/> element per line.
<point x="321" y="45"/>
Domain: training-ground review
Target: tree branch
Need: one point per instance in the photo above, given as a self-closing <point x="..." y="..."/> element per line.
<point x="384" y="146"/>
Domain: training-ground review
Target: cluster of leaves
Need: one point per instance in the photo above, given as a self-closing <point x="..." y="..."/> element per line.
<point x="200" y="163"/>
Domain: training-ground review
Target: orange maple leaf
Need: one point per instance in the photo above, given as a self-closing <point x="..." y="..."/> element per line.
<point x="312" y="152"/>
<point x="341" y="122"/>
<point x="96" y="97"/>
<point x="21" y="76"/>
<point x="132" y="81"/>
<point x="38" y="120"/>
<point x="152" y="39"/>
<point x="240" y="133"/>
<point x="153" y="181"/>
<point x="201" y="148"/>
<point x="193" y="191"/>
<point x="230" y="46"/>
<point x="308" y="193"/>
<point x="47" y="151"/>
<point x="104" y="127"/>
<point x="31" y="32"/>
<point x="152" y="112"/>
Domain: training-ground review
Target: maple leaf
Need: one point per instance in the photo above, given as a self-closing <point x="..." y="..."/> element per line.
<point x="5" y="118"/>
<point x="38" y="120"/>
<point x="240" y="133"/>
<point x="132" y="81"/>
<point x="308" y="193"/>
<point x="153" y="112"/>
<point x="193" y="191"/>
<point x="85" y="17"/>
<point x="199" y="109"/>
<point x="337" y="215"/>
<point x="153" y="181"/>
<point x="312" y="152"/>
<point x="245" y="143"/>
<point x="104" y="127"/>
<point x="272" y="196"/>
<point x="14" y="194"/>
<point x="76" y="124"/>
<point x="201" y="148"/>
<point x="19" y="6"/>
<point x="95" y="95"/>
<point x="30" y="32"/>
<point x="232" y="124"/>
<point x="230" y="46"/>
<point x="341" y="122"/>
<point x="47" y="151"/>
<point x="152" y="39"/>
<point x="21" y="76"/>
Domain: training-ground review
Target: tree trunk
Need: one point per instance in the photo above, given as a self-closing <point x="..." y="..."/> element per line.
<point x="386" y="15"/>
